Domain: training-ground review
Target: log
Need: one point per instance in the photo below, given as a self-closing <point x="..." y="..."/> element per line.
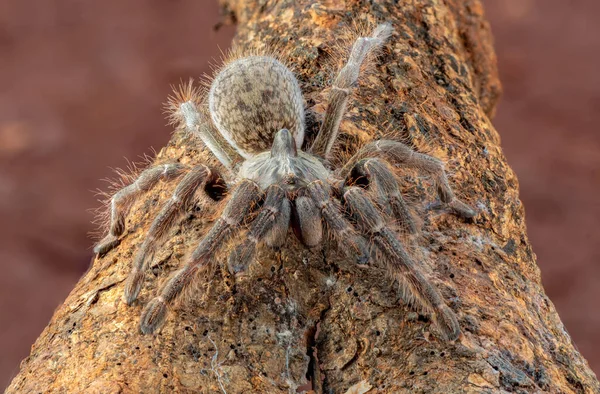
<point x="311" y="321"/>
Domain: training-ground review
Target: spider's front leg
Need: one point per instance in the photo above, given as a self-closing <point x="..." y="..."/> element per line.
<point x="400" y="264"/>
<point x="121" y="202"/>
<point x="384" y="188"/>
<point x="197" y="178"/>
<point x="244" y="198"/>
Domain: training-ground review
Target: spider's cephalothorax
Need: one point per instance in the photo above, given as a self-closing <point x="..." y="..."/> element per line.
<point x="256" y="107"/>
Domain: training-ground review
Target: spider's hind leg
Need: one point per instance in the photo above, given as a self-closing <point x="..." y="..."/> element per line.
<point x="342" y="87"/>
<point x="121" y="202"/>
<point x="398" y="153"/>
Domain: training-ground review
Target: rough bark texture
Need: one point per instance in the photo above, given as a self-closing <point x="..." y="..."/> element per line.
<point x="309" y="315"/>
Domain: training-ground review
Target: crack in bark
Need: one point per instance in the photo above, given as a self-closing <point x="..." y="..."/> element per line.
<point x="313" y="372"/>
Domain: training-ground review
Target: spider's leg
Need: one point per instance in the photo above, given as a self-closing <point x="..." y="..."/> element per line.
<point x="121" y="202"/>
<point x="384" y="187"/>
<point x="242" y="201"/>
<point x="195" y="124"/>
<point x="400" y="264"/>
<point x="272" y="221"/>
<point x="341" y="88"/>
<point x="197" y="178"/>
<point x="339" y="226"/>
<point x="399" y="153"/>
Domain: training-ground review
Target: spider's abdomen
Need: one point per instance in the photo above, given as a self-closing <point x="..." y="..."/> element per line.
<point x="251" y="99"/>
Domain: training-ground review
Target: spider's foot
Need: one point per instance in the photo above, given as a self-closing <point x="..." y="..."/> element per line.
<point x="461" y="209"/>
<point x="362" y="259"/>
<point x="153" y="315"/>
<point x="362" y="250"/>
<point x="447" y="323"/>
<point x="106" y="245"/>
<point x="241" y="257"/>
<point x="133" y="285"/>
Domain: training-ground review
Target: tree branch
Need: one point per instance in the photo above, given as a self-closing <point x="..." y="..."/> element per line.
<point x="304" y="316"/>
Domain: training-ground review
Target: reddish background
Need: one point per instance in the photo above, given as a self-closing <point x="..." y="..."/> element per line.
<point x="82" y="87"/>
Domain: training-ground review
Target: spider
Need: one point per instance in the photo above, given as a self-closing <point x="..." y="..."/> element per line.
<point x="257" y="109"/>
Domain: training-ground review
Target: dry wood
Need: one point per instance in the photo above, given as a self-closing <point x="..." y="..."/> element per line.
<point x="302" y="315"/>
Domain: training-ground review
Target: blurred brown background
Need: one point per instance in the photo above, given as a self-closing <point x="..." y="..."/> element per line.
<point x="82" y="87"/>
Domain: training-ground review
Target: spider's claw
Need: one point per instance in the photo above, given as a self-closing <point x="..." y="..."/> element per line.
<point x="133" y="285"/>
<point x="363" y="254"/>
<point x="362" y="259"/>
<point x="461" y="209"/>
<point x="241" y="257"/>
<point x="153" y="315"/>
<point x="455" y="206"/>
<point x="446" y="323"/>
<point x="106" y="245"/>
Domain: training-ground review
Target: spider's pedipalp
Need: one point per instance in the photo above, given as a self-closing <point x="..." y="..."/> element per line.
<point x="121" y="202"/>
<point x="307" y="221"/>
<point x="399" y="153"/>
<point x="242" y="201"/>
<point x="341" y="88"/>
<point x="338" y="225"/>
<point x="276" y="236"/>
<point x="399" y="262"/>
<point x="196" y="178"/>
<point x="384" y="188"/>
<point x="272" y="220"/>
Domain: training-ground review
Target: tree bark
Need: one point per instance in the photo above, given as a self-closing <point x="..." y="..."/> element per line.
<point x="303" y="319"/>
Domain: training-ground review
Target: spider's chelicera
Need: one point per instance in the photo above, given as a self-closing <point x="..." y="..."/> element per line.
<point x="256" y="106"/>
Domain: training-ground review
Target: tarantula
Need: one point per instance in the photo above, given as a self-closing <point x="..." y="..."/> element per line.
<point x="256" y="106"/>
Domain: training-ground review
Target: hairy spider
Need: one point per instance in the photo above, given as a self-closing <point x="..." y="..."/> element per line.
<point x="256" y="107"/>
